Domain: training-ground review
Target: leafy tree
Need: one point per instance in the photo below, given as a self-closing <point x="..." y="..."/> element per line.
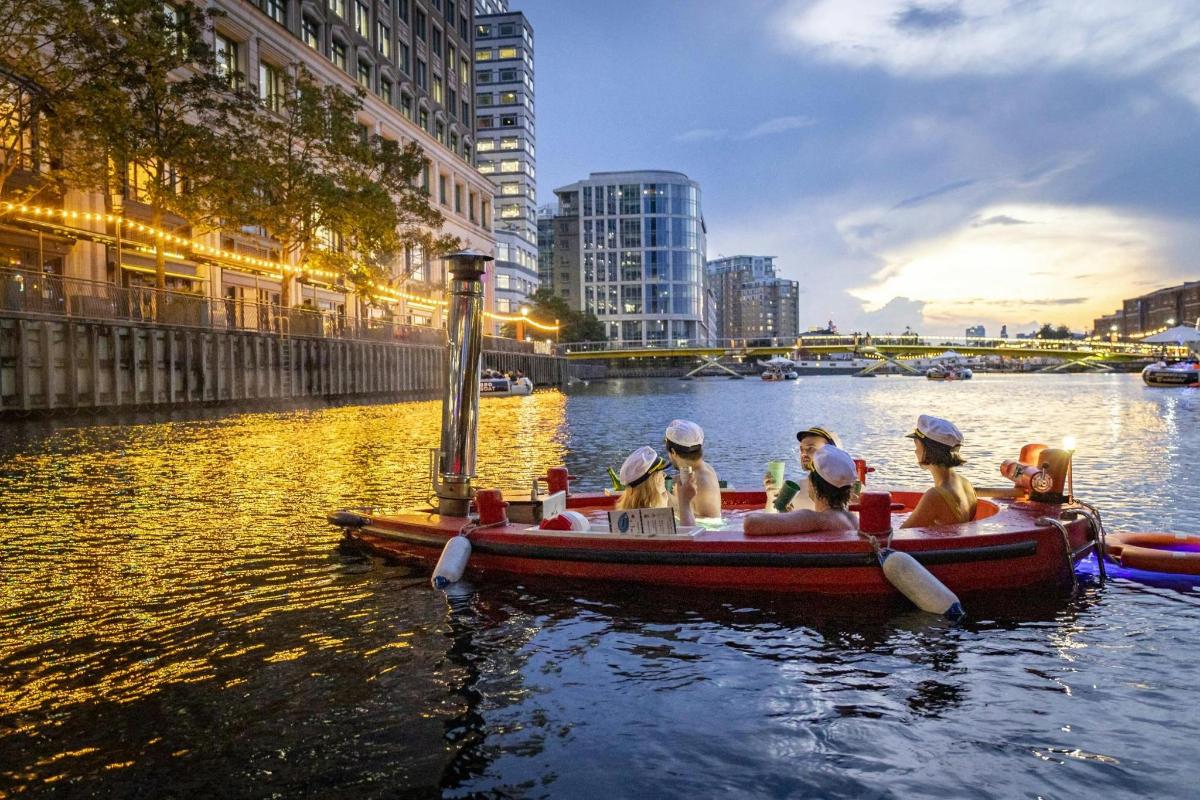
<point x="333" y="195"/>
<point x="1049" y="331"/>
<point x="161" y="112"/>
<point x="42" y="68"/>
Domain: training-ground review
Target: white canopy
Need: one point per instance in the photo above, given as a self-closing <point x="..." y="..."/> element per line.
<point x="1180" y="334"/>
<point x="946" y="356"/>
<point x="777" y="361"/>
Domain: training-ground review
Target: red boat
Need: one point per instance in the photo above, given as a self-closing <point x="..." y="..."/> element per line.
<point x="1004" y="548"/>
<point x="1011" y="544"/>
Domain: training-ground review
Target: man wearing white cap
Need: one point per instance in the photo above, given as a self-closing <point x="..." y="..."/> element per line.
<point x="830" y="483"/>
<point x="952" y="499"/>
<point x="697" y="479"/>
<point x="811" y="440"/>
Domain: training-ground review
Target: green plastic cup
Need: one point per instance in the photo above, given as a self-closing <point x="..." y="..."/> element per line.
<point x="775" y="470"/>
<point x="786" y="494"/>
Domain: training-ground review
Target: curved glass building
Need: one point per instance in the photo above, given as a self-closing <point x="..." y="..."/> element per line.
<point x="629" y="247"/>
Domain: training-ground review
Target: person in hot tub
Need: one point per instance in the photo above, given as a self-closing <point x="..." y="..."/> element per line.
<point x="829" y="485"/>
<point x="952" y="499"/>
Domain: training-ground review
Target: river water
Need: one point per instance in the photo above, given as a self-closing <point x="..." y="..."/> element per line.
<point x="176" y="619"/>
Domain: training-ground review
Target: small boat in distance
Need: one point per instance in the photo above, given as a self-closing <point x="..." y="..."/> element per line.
<point x="779" y="369"/>
<point x="500" y="385"/>
<point x="950" y="367"/>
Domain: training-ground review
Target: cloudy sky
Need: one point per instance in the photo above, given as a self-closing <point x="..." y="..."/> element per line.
<point x="933" y="164"/>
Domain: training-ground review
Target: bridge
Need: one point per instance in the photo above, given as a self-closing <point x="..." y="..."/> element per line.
<point x="1086" y="353"/>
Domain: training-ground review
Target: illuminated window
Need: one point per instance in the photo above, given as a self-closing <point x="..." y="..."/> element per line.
<point x="276" y="10"/>
<point x="487" y="168"/>
<point x="338" y="7"/>
<point x="510" y="188"/>
<point x="507" y="52"/>
<point x="437" y="89"/>
<point x="510" y="143"/>
<point x="270" y="86"/>
<point x="362" y="19"/>
<point x="485" y="145"/>
<point x="228" y="59"/>
<point x="311" y="32"/>
<point x="337" y="54"/>
<point x="384" y="34"/>
<point x="508" y="98"/>
<point x="483" y="55"/>
<point x="510" y="211"/>
<point x="510" y="165"/>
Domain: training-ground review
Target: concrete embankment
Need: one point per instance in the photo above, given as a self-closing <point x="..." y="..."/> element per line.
<point x="56" y="364"/>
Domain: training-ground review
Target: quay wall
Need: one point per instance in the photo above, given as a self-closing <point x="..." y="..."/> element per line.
<point x="54" y="364"/>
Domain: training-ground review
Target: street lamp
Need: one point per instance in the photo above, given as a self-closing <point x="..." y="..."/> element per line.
<point x="521" y="323"/>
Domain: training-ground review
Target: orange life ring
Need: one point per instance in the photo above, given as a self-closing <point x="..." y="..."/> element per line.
<point x="1156" y="552"/>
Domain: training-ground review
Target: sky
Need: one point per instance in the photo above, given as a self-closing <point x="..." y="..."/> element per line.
<point x="932" y="164"/>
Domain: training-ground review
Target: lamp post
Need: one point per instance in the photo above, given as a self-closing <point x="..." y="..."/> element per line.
<point x="521" y="323"/>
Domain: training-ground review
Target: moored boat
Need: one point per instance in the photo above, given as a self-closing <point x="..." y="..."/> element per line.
<point x="505" y="387"/>
<point x="1180" y="373"/>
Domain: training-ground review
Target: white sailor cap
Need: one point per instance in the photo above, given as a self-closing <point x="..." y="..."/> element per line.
<point x="641" y="464"/>
<point x="684" y="433"/>
<point x="939" y="430"/>
<point x="835" y="466"/>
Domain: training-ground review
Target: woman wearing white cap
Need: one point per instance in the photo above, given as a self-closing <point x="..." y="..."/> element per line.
<point x="952" y="499"/>
<point x="829" y="486"/>
<point x="644" y="479"/>
<point x="684" y="441"/>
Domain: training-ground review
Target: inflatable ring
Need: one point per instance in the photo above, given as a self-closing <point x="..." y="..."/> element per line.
<point x="1156" y="552"/>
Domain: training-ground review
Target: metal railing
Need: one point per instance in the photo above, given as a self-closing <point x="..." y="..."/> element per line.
<point x="34" y="293"/>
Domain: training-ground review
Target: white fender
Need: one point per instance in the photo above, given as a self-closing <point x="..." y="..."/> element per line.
<point x="919" y="585"/>
<point x="453" y="562"/>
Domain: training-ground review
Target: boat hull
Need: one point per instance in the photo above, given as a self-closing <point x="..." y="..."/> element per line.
<point x="1005" y="551"/>
<point x="1167" y="377"/>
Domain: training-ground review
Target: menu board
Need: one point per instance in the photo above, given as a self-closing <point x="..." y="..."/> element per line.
<point x="642" y="522"/>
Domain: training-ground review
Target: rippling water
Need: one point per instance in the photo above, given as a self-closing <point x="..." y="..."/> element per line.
<point x="176" y="618"/>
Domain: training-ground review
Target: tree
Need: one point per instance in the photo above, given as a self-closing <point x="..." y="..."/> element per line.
<point x="42" y="68"/>
<point x="333" y="195"/>
<point x="576" y="326"/>
<point x="1049" y="331"/>
<point x="158" y="117"/>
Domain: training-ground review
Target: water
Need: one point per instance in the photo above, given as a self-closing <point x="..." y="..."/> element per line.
<point x="177" y="620"/>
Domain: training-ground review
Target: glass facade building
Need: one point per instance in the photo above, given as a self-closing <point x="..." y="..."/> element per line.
<point x="629" y="247"/>
<point x="750" y="301"/>
<point x="505" y="148"/>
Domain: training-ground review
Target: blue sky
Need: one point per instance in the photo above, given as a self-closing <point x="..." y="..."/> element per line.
<point x="932" y="164"/>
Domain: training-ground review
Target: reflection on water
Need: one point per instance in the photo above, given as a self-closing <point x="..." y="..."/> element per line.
<point x="174" y="612"/>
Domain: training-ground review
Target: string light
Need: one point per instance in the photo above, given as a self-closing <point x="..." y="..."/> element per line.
<point x="275" y="270"/>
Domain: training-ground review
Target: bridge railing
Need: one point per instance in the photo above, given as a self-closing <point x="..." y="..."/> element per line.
<point x="862" y="344"/>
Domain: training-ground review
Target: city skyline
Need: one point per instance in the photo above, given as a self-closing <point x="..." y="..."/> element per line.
<point x="936" y="165"/>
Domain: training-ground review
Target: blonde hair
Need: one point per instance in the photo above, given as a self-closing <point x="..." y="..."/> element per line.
<point x="650" y="493"/>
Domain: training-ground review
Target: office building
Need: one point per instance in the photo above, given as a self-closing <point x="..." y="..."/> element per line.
<point x="505" y="144"/>
<point x="545" y="232"/>
<point x="629" y="247"/>
<point x="750" y="301"/>
<point x="976" y="332"/>
<point x="1154" y="311"/>
<point x="413" y="60"/>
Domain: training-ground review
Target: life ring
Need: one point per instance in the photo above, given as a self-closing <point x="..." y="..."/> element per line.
<point x="1156" y="552"/>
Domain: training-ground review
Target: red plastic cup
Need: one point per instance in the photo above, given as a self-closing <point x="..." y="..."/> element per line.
<point x="558" y="479"/>
<point x="491" y="506"/>
<point x="875" y="512"/>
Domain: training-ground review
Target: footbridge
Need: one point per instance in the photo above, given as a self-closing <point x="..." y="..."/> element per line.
<point x="895" y="350"/>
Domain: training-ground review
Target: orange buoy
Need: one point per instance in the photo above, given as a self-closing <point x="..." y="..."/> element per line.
<point x="1156" y="552"/>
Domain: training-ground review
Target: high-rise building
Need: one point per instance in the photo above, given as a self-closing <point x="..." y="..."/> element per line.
<point x="505" y="144"/>
<point x="629" y="247"/>
<point x="1162" y="308"/>
<point x="977" y="331"/>
<point x="545" y="228"/>
<point x="751" y="301"/>
<point x="413" y="60"/>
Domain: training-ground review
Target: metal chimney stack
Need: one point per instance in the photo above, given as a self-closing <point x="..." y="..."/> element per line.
<point x="460" y="407"/>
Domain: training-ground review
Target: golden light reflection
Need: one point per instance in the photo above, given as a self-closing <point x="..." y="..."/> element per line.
<point x="156" y="539"/>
